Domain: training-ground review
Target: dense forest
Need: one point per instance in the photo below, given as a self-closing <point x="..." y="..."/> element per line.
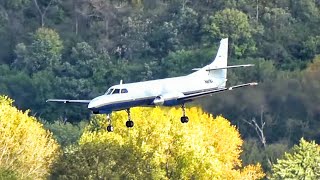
<point x="78" y="48"/>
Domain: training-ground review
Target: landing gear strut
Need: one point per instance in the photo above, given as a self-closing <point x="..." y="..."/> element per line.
<point x="109" y="127"/>
<point x="129" y="123"/>
<point x="184" y="118"/>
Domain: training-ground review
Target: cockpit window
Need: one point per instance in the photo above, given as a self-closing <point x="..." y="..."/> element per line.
<point x="124" y="91"/>
<point x="116" y="91"/>
<point x="109" y="91"/>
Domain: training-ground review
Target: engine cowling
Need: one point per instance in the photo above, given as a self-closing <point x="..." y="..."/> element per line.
<point x="167" y="99"/>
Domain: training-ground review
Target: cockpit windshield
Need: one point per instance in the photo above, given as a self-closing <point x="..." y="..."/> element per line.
<point x="116" y="91"/>
<point x="109" y="91"/>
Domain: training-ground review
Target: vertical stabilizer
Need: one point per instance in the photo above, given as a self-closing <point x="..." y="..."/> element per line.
<point x="212" y="70"/>
<point x="220" y="61"/>
<point x="222" y="55"/>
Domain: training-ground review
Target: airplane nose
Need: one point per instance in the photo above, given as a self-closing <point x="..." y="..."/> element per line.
<point x="93" y="104"/>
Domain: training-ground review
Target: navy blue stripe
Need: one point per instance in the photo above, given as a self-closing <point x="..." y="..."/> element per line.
<point x="142" y="102"/>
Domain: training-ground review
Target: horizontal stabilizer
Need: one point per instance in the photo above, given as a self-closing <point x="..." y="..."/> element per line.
<point x="228" y="67"/>
<point x="225" y="67"/>
<point x="68" y="101"/>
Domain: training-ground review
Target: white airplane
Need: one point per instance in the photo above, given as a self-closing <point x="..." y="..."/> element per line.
<point x="165" y="92"/>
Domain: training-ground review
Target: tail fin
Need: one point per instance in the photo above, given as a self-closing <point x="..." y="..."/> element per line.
<point x="220" y="61"/>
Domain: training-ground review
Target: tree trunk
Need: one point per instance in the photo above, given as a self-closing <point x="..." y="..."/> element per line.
<point x="257" y="11"/>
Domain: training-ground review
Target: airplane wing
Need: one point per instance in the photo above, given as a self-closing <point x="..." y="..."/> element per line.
<point x="69" y="101"/>
<point x="205" y="93"/>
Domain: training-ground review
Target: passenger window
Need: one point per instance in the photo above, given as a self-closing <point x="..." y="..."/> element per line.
<point x="116" y="91"/>
<point x="124" y="91"/>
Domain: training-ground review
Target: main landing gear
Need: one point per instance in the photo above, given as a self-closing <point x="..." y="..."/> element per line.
<point x="184" y="118"/>
<point x="129" y="123"/>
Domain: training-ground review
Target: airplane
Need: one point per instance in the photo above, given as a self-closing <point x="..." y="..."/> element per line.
<point x="174" y="91"/>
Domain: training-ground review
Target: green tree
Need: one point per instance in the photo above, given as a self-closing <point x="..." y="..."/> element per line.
<point x="301" y="163"/>
<point x="15" y="4"/>
<point x="8" y="174"/>
<point x="183" y="61"/>
<point x="44" y="52"/>
<point x="254" y="152"/>
<point x="66" y="133"/>
<point x="235" y="25"/>
<point x="82" y="74"/>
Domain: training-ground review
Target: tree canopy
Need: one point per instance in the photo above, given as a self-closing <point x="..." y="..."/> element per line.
<point x="302" y="162"/>
<point x="159" y="147"/>
<point x="27" y="150"/>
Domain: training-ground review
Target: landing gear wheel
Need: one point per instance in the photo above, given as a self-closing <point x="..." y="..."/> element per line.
<point x="110" y="128"/>
<point x="184" y="119"/>
<point x="129" y="124"/>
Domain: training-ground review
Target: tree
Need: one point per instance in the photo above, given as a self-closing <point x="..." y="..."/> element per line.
<point x="28" y="151"/>
<point x="234" y="24"/>
<point x="158" y="147"/>
<point x="66" y="133"/>
<point x="43" y="53"/>
<point x="301" y="163"/>
<point x="181" y="62"/>
<point x="42" y="10"/>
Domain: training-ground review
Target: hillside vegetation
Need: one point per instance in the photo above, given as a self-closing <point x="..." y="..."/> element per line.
<point x="78" y="48"/>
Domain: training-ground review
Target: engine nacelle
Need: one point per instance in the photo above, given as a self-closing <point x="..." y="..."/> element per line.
<point x="167" y="99"/>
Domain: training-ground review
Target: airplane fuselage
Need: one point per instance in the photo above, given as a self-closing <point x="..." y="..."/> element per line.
<point x="165" y="92"/>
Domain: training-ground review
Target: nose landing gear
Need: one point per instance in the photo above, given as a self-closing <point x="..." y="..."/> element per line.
<point x="109" y="127"/>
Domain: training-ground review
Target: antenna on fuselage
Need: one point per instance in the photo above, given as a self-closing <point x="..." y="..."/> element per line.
<point x="121" y="81"/>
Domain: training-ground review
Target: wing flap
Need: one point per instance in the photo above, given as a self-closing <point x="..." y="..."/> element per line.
<point x="205" y="93"/>
<point x="69" y="101"/>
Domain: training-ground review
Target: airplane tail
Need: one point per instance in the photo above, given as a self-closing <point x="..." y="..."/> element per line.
<point x="217" y="69"/>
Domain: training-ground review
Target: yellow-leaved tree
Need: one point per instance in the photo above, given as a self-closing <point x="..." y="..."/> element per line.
<point x="27" y="151"/>
<point x="158" y="147"/>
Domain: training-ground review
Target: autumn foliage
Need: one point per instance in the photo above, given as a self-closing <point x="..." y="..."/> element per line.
<point x="158" y="147"/>
<point x="27" y="151"/>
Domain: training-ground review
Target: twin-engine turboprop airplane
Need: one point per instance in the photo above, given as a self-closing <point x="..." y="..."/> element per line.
<point x="165" y="92"/>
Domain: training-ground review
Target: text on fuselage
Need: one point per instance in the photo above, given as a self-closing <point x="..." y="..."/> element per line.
<point x="208" y="81"/>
